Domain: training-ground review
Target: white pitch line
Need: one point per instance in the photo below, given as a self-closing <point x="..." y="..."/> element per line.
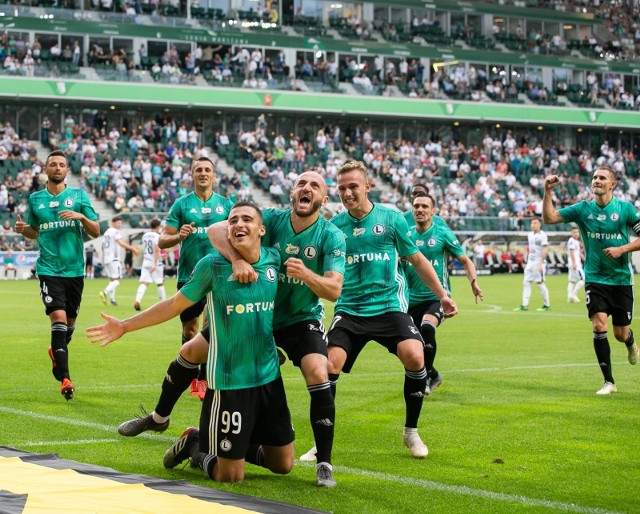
<point x="426" y="484"/>
<point x="65" y="443"/>
<point x="355" y="374"/>
<point x="477" y="493"/>
<point x="79" y="423"/>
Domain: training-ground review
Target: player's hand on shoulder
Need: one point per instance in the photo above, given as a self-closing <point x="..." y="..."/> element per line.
<point x="243" y="272"/>
<point x="449" y="306"/>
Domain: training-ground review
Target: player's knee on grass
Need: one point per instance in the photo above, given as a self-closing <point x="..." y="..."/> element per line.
<point x="279" y="459"/>
<point x="228" y="470"/>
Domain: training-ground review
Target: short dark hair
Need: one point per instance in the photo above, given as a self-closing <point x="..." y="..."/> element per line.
<point x="155" y="223"/>
<point x="611" y="171"/>
<point x="116" y="218"/>
<point x="244" y="203"/>
<point x="193" y="163"/>
<point x="55" y="153"/>
<point x="425" y="195"/>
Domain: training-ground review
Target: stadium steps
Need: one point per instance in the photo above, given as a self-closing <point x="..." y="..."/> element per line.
<point x="260" y="197"/>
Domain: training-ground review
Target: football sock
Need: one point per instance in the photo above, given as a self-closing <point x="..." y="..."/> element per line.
<point x="179" y="375"/>
<point x="162" y="293"/>
<point x="59" y="347"/>
<point x="415" y="383"/>
<point x="111" y="287"/>
<point x="70" y="331"/>
<point x="202" y="372"/>
<point x="630" y="340"/>
<point x="603" y="353"/>
<point x="428" y="333"/>
<point x="140" y="292"/>
<point x="322" y="414"/>
<point x="526" y="293"/>
<point x="579" y="286"/>
<point x="255" y="455"/>
<point x="545" y="294"/>
<point x="333" y="380"/>
<point x="570" y="289"/>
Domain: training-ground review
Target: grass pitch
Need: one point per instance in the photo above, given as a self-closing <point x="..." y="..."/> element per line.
<point x="516" y="427"/>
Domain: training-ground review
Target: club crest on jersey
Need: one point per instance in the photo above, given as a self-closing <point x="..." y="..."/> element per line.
<point x="292" y="249"/>
<point x="219" y="209"/>
<point x="419" y="243"/>
<point x="206" y="210"/>
<point x="270" y="274"/>
<point x="310" y="252"/>
<point x="378" y="229"/>
<point x="68" y="202"/>
<point x="225" y="445"/>
<point x="431" y="242"/>
<point x="358" y="232"/>
<point x="615" y="216"/>
<point x="54" y="204"/>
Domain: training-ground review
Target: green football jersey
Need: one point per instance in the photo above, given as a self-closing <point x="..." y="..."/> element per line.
<point x="321" y="247"/>
<point x="435" y="219"/>
<point x="242" y="352"/>
<point x="373" y="282"/>
<point x="604" y="227"/>
<point x="61" y="249"/>
<point x="436" y="244"/>
<point x="190" y="208"/>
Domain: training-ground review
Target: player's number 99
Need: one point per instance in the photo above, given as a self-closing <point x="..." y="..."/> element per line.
<point x="231" y="419"/>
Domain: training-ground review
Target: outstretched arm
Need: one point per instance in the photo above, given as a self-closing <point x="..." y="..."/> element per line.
<point x="115" y="328"/>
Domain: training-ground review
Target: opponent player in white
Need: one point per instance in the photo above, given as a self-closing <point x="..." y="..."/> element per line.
<point x="152" y="264"/>
<point x="576" y="271"/>
<point x="111" y="243"/>
<point x="536" y="267"/>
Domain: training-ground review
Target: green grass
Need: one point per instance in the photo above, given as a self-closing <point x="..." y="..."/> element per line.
<point x="516" y="427"/>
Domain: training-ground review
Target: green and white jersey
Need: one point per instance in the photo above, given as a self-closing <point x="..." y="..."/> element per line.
<point x="188" y="209"/>
<point x="321" y="247"/>
<point x="373" y="282"/>
<point x="601" y="228"/>
<point x="436" y="244"/>
<point x="435" y="220"/>
<point x="60" y="242"/>
<point x="242" y="352"/>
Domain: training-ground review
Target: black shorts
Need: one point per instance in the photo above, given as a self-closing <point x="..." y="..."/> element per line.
<point x="301" y="339"/>
<point x="432" y="307"/>
<point x="195" y="310"/>
<point x="616" y="301"/>
<point x="352" y="333"/>
<point x="89" y="260"/>
<point x="61" y="294"/>
<point x="232" y="420"/>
